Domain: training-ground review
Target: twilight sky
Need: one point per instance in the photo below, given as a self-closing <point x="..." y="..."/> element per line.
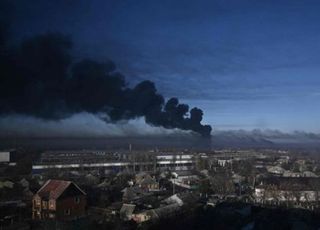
<point x="247" y="63"/>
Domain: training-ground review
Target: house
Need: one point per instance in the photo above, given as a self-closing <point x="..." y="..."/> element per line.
<point x="146" y="182"/>
<point x="126" y="211"/>
<point x="289" y="173"/>
<point x="131" y="193"/>
<point x="224" y="162"/>
<point x="158" y="213"/>
<point x="174" y="199"/>
<point x="309" y="174"/>
<point x="140" y="176"/>
<point x="188" y="181"/>
<point x="6" y="184"/>
<point x="288" y="190"/>
<point x="149" y="184"/>
<point x="144" y="216"/>
<point x="4" y="156"/>
<point x="277" y="170"/>
<point x="59" y="200"/>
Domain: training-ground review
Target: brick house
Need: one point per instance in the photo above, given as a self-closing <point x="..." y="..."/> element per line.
<point x="59" y="200"/>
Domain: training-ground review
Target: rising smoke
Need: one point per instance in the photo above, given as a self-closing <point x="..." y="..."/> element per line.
<point x="40" y="78"/>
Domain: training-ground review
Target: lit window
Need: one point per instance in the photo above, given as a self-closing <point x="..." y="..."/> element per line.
<point x="51" y="204"/>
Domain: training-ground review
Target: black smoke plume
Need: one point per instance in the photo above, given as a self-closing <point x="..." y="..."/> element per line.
<point x="40" y="78"/>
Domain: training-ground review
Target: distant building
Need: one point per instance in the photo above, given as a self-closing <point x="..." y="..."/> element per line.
<point x="6" y="156"/>
<point x="224" y="162"/>
<point x="308" y="174"/>
<point x="186" y="181"/>
<point x="158" y="213"/>
<point x="289" y="191"/>
<point x="105" y="161"/>
<point x="168" y="208"/>
<point x="277" y="170"/>
<point x="59" y="200"/>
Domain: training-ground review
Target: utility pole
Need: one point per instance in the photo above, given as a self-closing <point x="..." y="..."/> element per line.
<point x="173" y="187"/>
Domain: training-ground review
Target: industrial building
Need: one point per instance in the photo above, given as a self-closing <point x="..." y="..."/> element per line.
<point x="115" y="161"/>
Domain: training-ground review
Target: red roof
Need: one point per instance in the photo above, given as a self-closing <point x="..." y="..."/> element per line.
<point x="52" y="189"/>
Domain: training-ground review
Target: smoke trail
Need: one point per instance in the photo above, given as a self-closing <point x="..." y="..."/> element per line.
<point x="40" y="78"/>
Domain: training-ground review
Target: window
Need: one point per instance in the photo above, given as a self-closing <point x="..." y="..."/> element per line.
<point x="44" y="204"/>
<point x="67" y="212"/>
<point x="77" y="200"/>
<point x="52" y="204"/>
<point x="38" y="202"/>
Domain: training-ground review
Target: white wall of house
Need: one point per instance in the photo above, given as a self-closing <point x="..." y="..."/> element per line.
<point x="5" y="157"/>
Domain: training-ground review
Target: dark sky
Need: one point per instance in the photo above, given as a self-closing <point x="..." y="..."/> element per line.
<point x="247" y="63"/>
